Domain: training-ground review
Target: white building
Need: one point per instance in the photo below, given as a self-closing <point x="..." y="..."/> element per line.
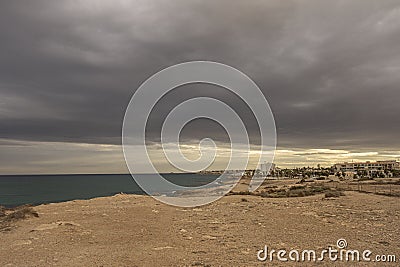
<point x="367" y="166"/>
<point x="266" y="168"/>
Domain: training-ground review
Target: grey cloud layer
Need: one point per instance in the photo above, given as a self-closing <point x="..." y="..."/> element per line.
<point x="328" y="68"/>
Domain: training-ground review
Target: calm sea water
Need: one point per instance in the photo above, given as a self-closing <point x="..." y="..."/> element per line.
<point x="38" y="189"/>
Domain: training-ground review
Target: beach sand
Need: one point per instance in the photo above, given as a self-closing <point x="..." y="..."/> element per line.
<point x="131" y="230"/>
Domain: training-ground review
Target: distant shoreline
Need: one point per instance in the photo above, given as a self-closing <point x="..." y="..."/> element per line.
<point x="76" y="174"/>
<point x="39" y="189"/>
<point x="75" y="199"/>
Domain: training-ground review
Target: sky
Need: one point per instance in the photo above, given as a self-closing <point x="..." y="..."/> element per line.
<point x="329" y="70"/>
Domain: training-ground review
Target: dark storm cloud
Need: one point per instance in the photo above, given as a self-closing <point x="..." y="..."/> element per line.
<point x="328" y="68"/>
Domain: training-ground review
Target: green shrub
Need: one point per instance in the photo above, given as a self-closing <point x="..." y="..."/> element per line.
<point x="319" y="189"/>
<point x="296" y="193"/>
<point x="296" y="187"/>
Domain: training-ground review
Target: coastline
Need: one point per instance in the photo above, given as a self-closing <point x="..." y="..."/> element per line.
<point x="40" y="189"/>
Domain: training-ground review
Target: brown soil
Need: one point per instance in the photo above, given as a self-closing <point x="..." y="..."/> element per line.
<point x="129" y="230"/>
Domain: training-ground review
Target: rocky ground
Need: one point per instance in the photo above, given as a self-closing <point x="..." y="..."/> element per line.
<point x="129" y="230"/>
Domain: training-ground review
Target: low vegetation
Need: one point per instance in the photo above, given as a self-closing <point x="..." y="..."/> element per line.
<point x="333" y="193"/>
<point x="9" y="216"/>
<point x="294" y="191"/>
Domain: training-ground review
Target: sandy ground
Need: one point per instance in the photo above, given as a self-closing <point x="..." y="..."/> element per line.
<point x="129" y="230"/>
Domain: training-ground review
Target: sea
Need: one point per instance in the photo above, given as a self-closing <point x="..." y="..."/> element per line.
<point x="18" y="190"/>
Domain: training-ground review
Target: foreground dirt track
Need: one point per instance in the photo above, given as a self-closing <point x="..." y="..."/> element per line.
<point x="128" y="230"/>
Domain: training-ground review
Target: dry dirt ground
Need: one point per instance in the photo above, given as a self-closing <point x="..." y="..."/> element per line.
<point x="129" y="230"/>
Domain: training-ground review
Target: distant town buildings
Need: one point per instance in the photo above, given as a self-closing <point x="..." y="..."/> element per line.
<point x="367" y="168"/>
<point x="346" y="170"/>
